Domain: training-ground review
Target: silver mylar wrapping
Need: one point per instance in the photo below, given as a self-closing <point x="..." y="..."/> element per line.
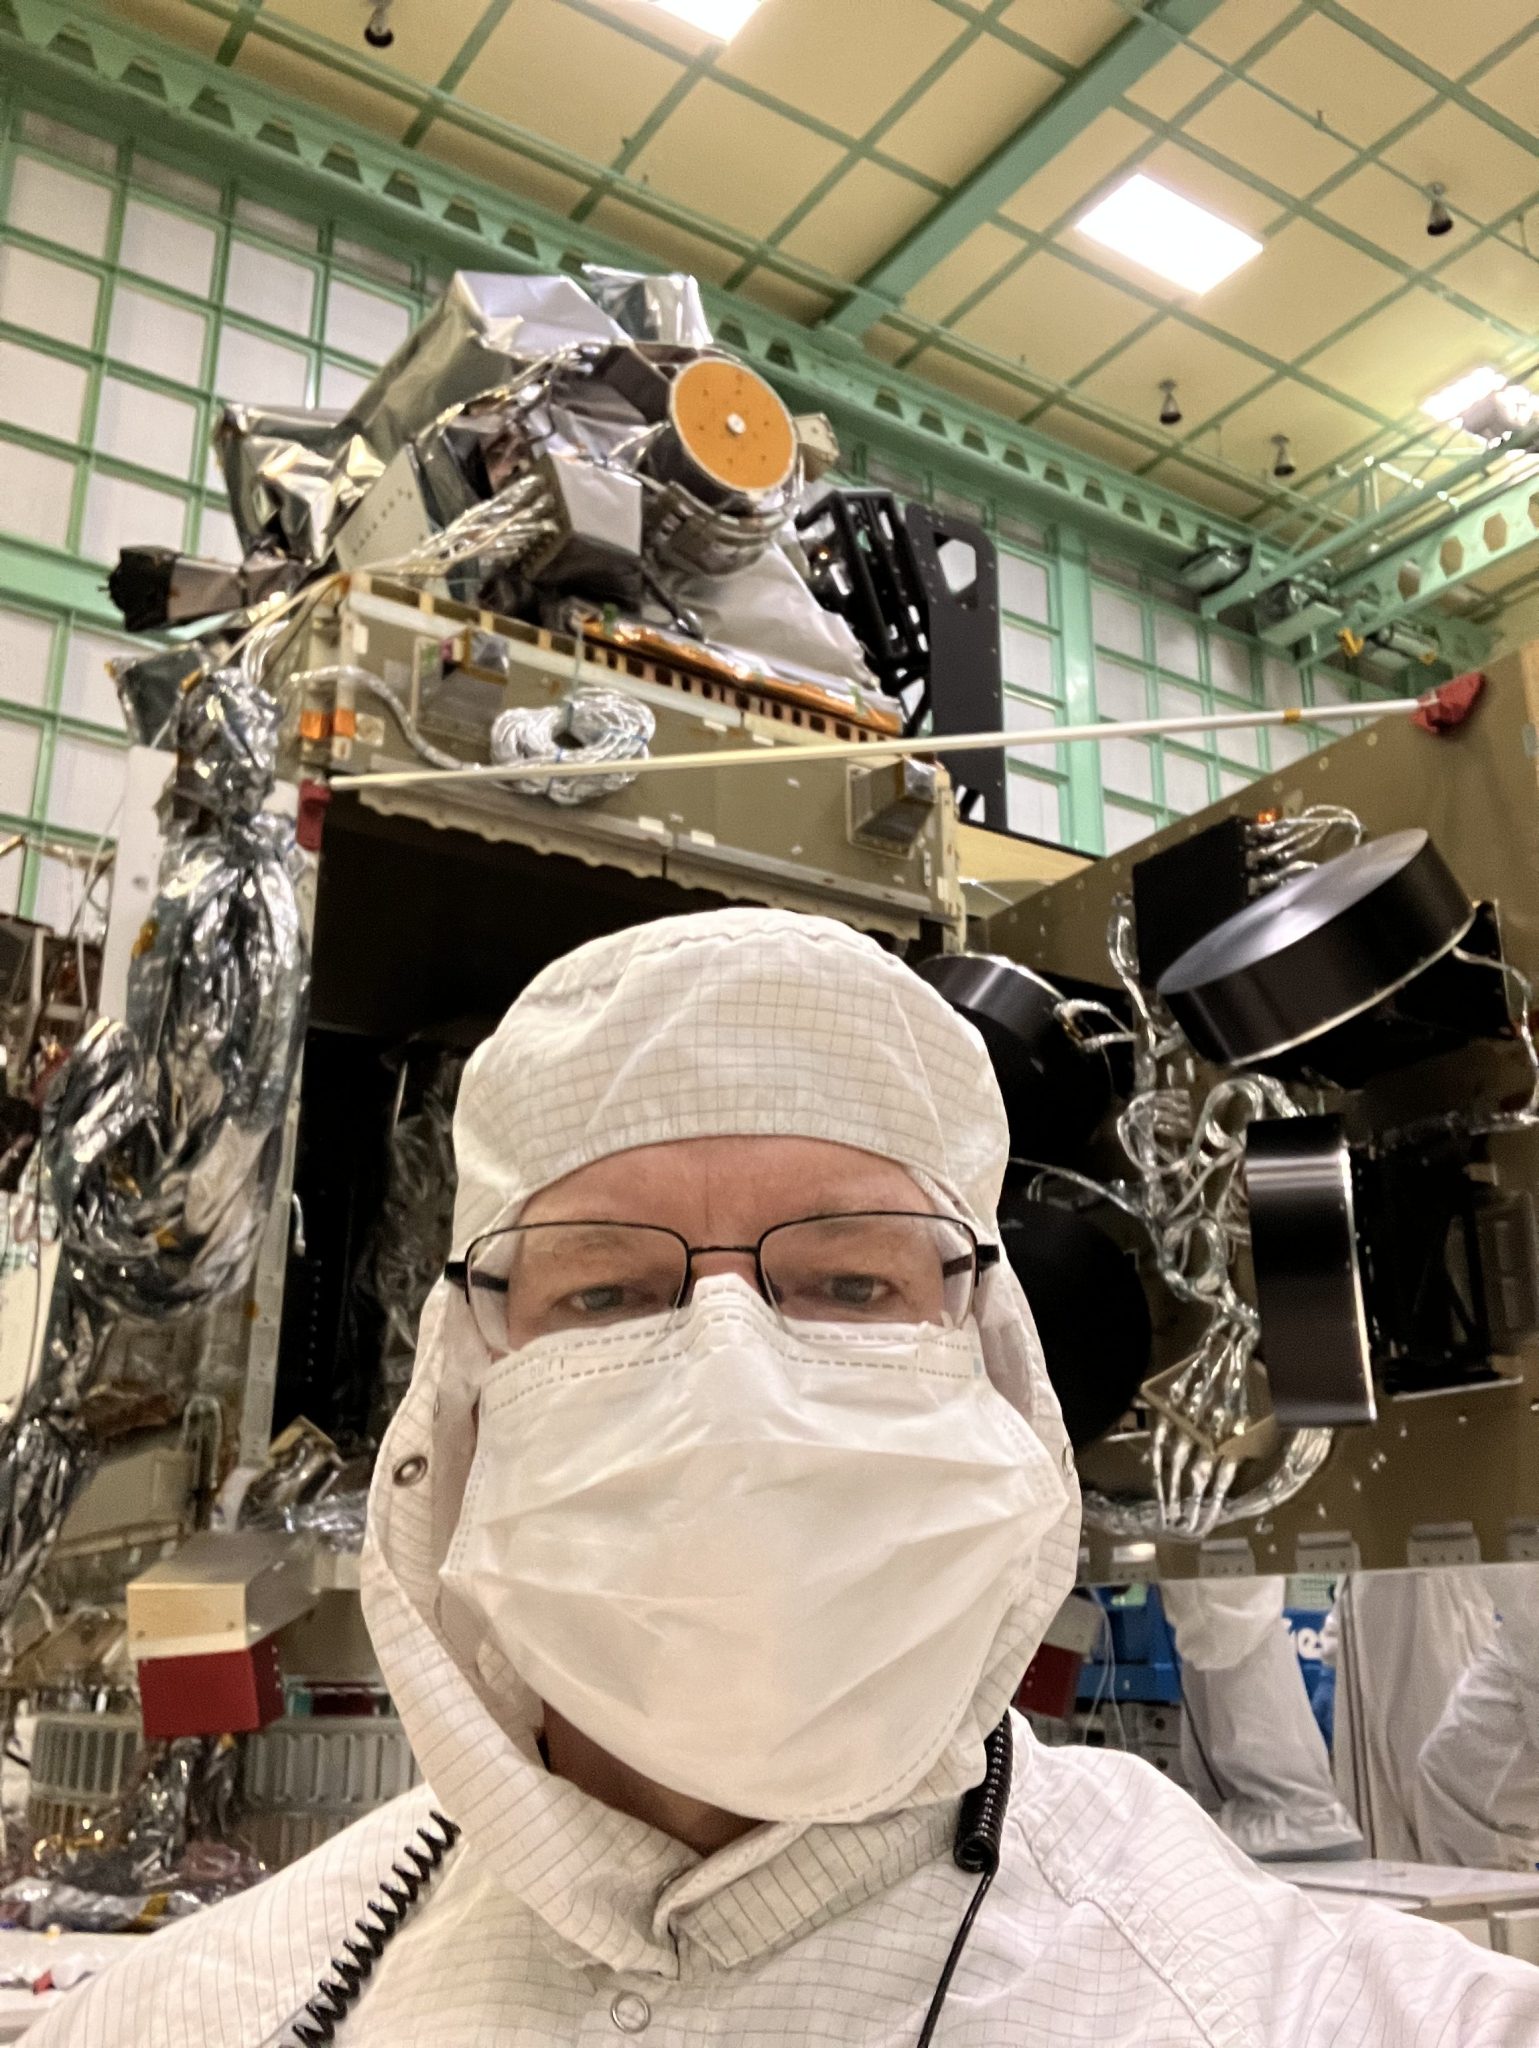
<point x="507" y="374"/>
<point x="334" y="1522"/>
<point x="665" y="307"/>
<point x="162" y="1135"/>
<point x="163" y="1850"/>
<point x="589" y="725"/>
<point x="292" y="477"/>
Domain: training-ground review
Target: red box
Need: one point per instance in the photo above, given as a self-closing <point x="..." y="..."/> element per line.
<point x="227" y="1692"/>
<point x="1051" y="1682"/>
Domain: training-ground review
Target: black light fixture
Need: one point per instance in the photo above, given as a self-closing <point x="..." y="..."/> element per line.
<point x="1170" y="410"/>
<point x="1439" y="219"/>
<point x="379" y="35"/>
<point x="1283" y="464"/>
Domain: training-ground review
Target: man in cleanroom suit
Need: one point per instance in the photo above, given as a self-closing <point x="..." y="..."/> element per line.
<point x="1251" y="1748"/>
<point x="726" y="1508"/>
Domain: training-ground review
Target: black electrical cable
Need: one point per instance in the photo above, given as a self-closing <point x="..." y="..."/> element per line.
<point x="980" y="1827"/>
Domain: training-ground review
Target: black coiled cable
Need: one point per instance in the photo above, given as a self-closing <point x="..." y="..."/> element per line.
<point x="412" y="1872"/>
<point x="980" y="1828"/>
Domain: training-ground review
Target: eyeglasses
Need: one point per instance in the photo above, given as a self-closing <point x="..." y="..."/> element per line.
<point x="531" y="1280"/>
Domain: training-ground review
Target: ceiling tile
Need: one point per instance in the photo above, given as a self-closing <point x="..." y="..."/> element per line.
<point x="1303" y="285"/>
<point x="527" y="71"/>
<point x="426" y="39"/>
<point x="1072" y="29"/>
<point x="785" y="296"/>
<point x="971" y="264"/>
<point x="1325" y="70"/>
<point x="1374" y="203"/>
<point x="1320" y="429"/>
<point x="886" y="342"/>
<point x="1173" y="83"/>
<point x="496" y="165"/>
<point x="176" y="21"/>
<point x="1497" y="274"/>
<point x="1090" y="437"/>
<point x="727" y="157"/>
<point x="1068" y="183"/>
<point x="1208" y="374"/>
<point x="323" y="85"/>
<point x="1256" y="132"/>
<point x="951" y="373"/>
<point x="1219" y="494"/>
<point x="980" y="101"/>
<point x="865" y="213"/>
<point x="1512" y="86"/>
<point x="674" y="247"/>
<point x="821" y="55"/>
<point x="1219" y="191"/>
<point x="1449" y="39"/>
<point x="1400" y="355"/>
<point x="1051" y="317"/>
<point x="1240" y="24"/>
<point x="1484" y="172"/>
<point x="1512" y="570"/>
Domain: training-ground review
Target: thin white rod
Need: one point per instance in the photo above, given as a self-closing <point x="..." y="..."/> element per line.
<point x="876" y="751"/>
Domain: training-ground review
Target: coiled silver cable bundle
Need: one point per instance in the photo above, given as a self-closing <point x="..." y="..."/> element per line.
<point x="589" y="725"/>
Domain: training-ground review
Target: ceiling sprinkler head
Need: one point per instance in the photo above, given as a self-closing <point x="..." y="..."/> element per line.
<point x="1283" y="465"/>
<point x="379" y="35"/>
<point x="1170" y="410"/>
<point x="1439" y="219"/>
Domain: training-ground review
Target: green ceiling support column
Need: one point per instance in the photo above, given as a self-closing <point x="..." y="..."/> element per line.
<point x="1087" y="829"/>
<point x="1045" y="135"/>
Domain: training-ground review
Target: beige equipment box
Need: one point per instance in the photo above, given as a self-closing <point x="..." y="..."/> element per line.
<point x="874" y="846"/>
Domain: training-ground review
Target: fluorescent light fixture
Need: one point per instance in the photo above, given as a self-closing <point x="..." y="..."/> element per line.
<point x="719" y="18"/>
<point x="1174" y="237"/>
<point x="1454" y="400"/>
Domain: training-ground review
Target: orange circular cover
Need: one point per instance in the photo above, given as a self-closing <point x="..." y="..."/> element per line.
<point x="732" y="425"/>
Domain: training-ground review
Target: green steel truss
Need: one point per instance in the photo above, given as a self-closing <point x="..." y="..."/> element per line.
<point x="75" y="52"/>
<point x="1407" y="576"/>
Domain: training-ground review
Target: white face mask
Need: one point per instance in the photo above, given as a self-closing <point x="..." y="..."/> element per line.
<point x="765" y="1569"/>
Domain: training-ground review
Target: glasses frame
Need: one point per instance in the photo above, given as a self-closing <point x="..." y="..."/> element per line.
<point x="458" y="1271"/>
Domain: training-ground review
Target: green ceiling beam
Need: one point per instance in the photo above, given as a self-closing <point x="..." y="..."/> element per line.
<point x="1410" y="575"/>
<point x="84" y="62"/>
<point x="1049" y="131"/>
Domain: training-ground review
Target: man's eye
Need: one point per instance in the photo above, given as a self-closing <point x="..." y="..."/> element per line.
<point x="599" y="1301"/>
<point x="854" y="1290"/>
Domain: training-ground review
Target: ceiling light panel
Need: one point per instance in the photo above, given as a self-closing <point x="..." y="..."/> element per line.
<point x="1455" y="400"/>
<point x="719" y="18"/>
<point x="1174" y="237"/>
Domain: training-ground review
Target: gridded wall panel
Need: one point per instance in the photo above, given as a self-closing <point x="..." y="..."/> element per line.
<point x="135" y="297"/>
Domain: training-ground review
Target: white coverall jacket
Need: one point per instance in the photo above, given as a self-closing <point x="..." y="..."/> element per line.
<point x="1120" y="1914"/>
